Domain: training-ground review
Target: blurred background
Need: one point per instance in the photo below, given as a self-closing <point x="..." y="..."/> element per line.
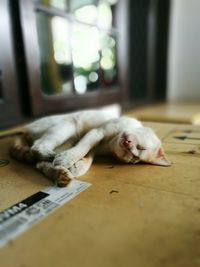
<point x="63" y="55"/>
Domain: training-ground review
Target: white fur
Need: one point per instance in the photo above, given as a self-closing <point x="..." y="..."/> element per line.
<point x="52" y="131"/>
<point x="110" y="134"/>
<point x="89" y="133"/>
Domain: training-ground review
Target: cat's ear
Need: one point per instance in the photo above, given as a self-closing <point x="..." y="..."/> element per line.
<point x="161" y="159"/>
<point x="128" y="141"/>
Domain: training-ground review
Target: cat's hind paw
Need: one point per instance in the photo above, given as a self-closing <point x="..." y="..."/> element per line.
<point x="23" y="154"/>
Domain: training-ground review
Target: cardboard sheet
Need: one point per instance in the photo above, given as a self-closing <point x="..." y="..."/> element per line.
<point x="172" y="112"/>
<point x="140" y="215"/>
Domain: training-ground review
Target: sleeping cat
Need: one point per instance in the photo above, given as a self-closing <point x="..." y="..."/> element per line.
<point x="63" y="146"/>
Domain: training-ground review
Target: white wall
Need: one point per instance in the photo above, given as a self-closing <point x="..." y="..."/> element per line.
<point x="184" y="51"/>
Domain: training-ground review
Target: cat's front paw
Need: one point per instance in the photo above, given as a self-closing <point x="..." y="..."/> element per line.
<point x="79" y="168"/>
<point x="66" y="159"/>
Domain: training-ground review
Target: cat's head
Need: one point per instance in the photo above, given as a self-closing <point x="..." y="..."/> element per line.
<point x="142" y="144"/>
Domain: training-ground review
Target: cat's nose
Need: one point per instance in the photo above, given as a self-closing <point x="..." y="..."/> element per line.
<point x="128" y="143"/>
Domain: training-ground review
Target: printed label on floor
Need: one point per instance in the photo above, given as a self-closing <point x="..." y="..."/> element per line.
<point x="21" y="216"/>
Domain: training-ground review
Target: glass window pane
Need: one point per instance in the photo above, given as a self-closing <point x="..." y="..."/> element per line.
<point x="60" y="4"/>
<point x="55" y="54"/>
<point x="76" y="4"/>
<point x="85" y="54"/>
<point x="110" y="2"/>
<point x="108" y="62"/>
<point x="105" y="13"/>
<point x="90" y="10"/>
<point x="104" y="16"/>
<point x="99" y="13"/>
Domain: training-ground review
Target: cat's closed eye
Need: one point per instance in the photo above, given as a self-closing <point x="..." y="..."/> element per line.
<point x="139" y="147"/>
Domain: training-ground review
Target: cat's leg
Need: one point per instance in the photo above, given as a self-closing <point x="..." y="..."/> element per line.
<point x="44" y="147"/>
<point x="57" y="174"/>
<point x="68" y="157"/>
<point x="63" y="176"/>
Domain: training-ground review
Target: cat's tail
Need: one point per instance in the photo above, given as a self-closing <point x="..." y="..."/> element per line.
<point x="21" y="150"/>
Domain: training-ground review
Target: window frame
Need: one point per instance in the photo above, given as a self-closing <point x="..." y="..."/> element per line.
<point x="40" y="103"/>
<point x="9" y="103"/>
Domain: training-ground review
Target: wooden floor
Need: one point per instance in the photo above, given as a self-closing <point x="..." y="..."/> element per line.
<point x="142" y="215"/>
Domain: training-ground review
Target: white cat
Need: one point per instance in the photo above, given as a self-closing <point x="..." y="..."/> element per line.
<point x="84" y="135"/>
